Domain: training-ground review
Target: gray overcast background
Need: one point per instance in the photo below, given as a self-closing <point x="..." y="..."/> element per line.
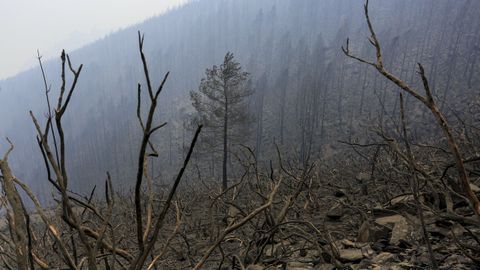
<point x="51" y="25"/>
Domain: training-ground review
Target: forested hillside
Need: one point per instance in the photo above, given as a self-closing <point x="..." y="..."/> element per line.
<point x="355" y="127"/>
<point x="307" y="96"/>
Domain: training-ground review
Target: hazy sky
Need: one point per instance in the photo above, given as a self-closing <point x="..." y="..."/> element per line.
<point x="51" y="25"/>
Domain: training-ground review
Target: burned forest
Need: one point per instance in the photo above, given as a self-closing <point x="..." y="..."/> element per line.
<point x="246" y="134"/>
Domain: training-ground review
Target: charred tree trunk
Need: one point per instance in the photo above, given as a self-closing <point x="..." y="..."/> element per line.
<point x="17" y="218"/>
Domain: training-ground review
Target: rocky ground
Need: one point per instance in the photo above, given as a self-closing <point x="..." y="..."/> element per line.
<point x="333" y="231"/>
<point x="389" y="237"/>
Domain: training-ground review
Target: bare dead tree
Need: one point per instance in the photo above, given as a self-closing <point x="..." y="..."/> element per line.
<point x="140" y="260"/>
<point x="148" y="129"/>
<point x="92" y="237"/>
<point x="427" y="100"/>
<point x="59" y="165"/>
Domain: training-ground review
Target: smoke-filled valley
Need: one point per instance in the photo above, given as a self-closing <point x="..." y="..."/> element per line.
<point x="277" y="134"/>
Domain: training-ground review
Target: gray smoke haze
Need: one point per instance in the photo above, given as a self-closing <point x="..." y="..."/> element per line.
<point x="51" y="25"/>
<point x="308" y="95"/>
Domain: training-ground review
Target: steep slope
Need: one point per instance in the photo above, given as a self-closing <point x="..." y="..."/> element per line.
<point x="308" y="94"/>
